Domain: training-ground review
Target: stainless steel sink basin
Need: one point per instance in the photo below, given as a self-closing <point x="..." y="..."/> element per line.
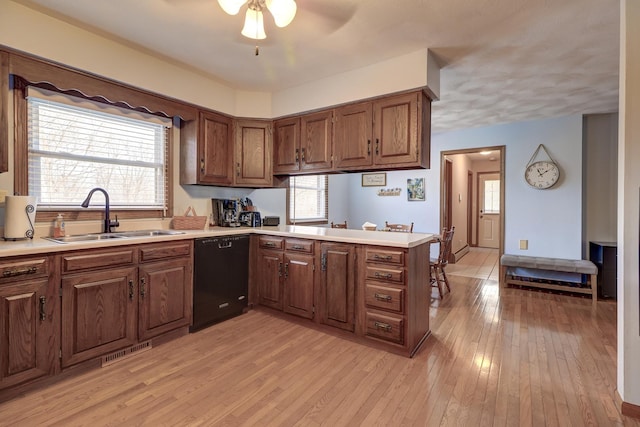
<point x="148" y="233"/>
<point x="84" y="238"/>
<point x="108" y="236"/>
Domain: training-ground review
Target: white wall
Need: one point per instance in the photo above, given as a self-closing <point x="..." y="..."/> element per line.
<point x="628" y="204"/>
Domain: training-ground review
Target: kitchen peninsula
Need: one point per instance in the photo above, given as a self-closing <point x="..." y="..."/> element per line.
<point x="369" y="286"/>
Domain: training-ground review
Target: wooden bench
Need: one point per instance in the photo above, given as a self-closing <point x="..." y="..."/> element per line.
<point x="545" y="266"/>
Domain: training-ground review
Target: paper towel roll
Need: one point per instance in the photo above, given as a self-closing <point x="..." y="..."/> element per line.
<point x="19" y="217"/>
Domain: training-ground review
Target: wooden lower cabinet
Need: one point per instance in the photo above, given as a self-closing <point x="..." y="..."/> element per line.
<point x="269" y="269"/>
<point x="29" y="322"/>
<point x="298" y="284"/>
<point x="99" y="313"/>
<point x="337" y="285"/>
<point x="165" y="297"/>
<point x="136" y="293"/>
<point x="285" y="274"/>
<point x="379" y="294"/>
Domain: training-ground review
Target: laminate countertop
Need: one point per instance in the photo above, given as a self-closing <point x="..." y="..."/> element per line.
<point x="39" y="245"/>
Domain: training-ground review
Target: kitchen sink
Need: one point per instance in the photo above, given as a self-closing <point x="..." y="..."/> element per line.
<point x="148" y="233"/>
<point x="108" y="236"/>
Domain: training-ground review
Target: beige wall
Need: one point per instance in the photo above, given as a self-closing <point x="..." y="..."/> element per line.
<point x="628" y="205"/>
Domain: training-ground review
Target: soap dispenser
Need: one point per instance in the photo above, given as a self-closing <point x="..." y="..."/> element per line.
<point x="58" y="228"/>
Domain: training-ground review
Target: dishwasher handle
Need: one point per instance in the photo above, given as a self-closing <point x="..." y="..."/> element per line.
<point x="225" y="244"/>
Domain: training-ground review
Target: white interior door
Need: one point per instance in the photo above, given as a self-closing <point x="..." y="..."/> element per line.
<point x="489" y="205"/>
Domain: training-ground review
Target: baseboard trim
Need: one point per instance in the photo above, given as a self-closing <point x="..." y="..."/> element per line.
<point x="455" y="257"/>
<point x="630" y="410"/>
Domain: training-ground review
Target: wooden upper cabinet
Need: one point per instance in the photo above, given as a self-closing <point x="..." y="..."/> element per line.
<point x="316" y="133"/>
<point x="4" y="111"/>
<point x="352" y="136"/>
<point x="395" y="130"/>
<point x="388" y="133"/>
<point x="286" y="145"/>
<point x="303" y="144"/>
<point x="254" y="154"/>
<point x="215" y="149"/>
<point x="206" y="150"/>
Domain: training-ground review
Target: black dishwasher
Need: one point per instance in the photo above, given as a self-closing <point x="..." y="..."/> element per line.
<point x="220" y="279"/>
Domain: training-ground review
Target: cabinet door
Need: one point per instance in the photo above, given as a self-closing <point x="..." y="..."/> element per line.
<point x="352" y="136"/>
<point x="215" y="149"/>
<point x="337" y="303"/>
<point x="165" y="297"/>
<point x="270" y="265"/>
<point x="254" y="146"/>
<point x="286" y="146"/>
<point x="395" y="130"/>
<point x="298" y="284"/>
<point x="98" y="313"/>
<point x="29" y="331"/>
<point x="315" y="142"/>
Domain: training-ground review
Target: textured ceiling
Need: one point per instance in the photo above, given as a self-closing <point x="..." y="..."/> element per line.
<point x="502" y="60"/>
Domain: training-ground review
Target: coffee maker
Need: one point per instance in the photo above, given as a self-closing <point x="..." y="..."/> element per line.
<point x="225" y="212"/>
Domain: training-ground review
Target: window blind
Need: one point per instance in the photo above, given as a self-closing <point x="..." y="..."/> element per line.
<point x="308" y="198"/>
<point x="74" y="146"/>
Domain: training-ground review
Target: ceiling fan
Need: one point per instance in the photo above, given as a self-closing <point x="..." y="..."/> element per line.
<point x="283" y="12"/>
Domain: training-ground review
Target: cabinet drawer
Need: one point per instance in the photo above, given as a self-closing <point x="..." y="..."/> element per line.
<point x="387" y="257"/>
<point x="271" y="242"/>
<point x="395" y="275"/>
<point x="384" y="297"/>
<point x="385" y="327"/>
<point x="299" y="245"/>
<point x="165" y="250"/>
<point x="99" y="259"/>
<point x="22" y="269"/>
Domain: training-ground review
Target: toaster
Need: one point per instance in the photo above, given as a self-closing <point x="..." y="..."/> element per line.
<point x="271" y="221"/>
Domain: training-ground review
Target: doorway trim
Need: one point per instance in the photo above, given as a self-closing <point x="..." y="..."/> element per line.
<point x="443" y="207"/>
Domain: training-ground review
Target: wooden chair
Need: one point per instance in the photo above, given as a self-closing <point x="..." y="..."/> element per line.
<point x="403" y="228"/>
<point x="437" y="265"/>
<point x="339" y="225"/>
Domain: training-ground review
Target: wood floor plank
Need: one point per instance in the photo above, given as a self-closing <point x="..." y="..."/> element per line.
<point x="496" y="357"/>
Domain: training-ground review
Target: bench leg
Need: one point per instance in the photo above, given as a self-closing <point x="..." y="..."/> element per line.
<point x="594" y="289"/>
<point x="502" y="280"/>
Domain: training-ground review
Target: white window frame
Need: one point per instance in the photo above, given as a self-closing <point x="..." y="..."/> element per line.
<point x="321" y="201"/>
<point x="158" y="188"/>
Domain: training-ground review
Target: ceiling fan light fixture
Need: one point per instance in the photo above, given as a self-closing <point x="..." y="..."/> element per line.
<point x="254" y="25"/>
<point x="283" y="11"/>
<point x="232" y="7"/>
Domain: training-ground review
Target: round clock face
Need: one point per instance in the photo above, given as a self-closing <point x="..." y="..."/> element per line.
<point x="542" y="175"/>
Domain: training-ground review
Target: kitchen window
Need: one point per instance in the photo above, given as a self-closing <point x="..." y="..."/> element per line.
<point x="76" y="144"/>
<point x="308" y="199"/>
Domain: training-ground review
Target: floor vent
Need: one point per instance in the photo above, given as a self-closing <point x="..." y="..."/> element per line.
<point x="124" y="353"/>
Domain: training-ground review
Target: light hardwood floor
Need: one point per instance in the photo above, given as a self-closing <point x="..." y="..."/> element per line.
<point x="514" y="358"/>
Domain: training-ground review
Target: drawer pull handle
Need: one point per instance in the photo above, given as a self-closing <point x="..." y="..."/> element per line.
<point x="384" y="326"/>
<point x="131" y="290"/>
<point x="279" y="269"/>
<point x="43" y="313"/>
<point x="297" y="247"/>
<point x="270" y="244"/>
<point x="383" y="297"/>
<point x="19" y="271"/>
<point x="384" y="258"/>
<point x="387" y="276"/>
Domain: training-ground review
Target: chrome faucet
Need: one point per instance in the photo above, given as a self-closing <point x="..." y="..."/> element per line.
<point x="108" y="224"/>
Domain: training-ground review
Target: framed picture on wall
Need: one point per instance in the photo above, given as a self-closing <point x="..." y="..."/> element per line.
<point x="374" y="179"/>
<point x="415" y="190"/>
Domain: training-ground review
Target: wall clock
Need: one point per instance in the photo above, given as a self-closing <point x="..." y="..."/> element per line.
<point x="542" y="174"/>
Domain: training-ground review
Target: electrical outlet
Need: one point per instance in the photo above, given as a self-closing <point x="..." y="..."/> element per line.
<point x="524" y="245"/>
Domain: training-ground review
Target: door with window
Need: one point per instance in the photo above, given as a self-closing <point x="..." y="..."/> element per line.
<point x="489" y="210"/>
